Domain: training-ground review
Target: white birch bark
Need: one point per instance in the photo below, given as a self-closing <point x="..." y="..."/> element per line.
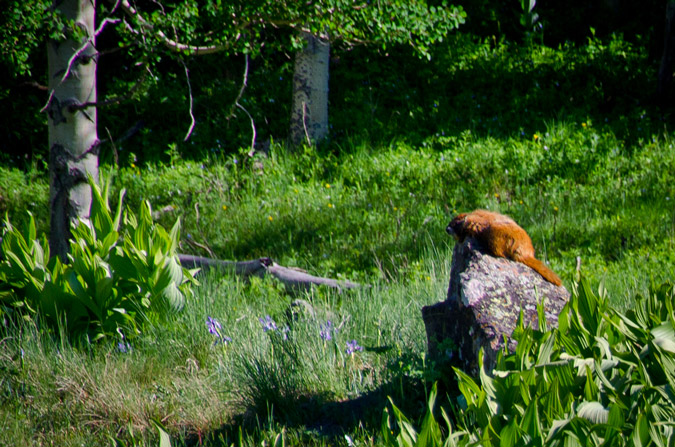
<point x="73" y="140"/>
<point x="309" y="111"/>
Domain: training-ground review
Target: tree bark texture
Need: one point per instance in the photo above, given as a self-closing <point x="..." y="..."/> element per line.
<point x="73" y="140"/>
<point x="309" y="111"/>
<point x="668" y="57"/>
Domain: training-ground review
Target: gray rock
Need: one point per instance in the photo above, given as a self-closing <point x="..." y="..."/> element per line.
<point x="485" y="297"/>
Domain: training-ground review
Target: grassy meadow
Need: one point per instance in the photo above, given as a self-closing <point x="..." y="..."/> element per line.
<point x="563" y="140"/>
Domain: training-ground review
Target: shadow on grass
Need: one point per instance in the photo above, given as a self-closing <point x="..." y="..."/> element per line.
<point x="319" y="419"/>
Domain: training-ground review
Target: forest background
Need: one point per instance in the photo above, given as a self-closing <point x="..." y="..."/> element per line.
<point x="552" y="113"/>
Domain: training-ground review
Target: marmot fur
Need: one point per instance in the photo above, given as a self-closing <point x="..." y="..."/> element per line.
<point x="500" y="236"/>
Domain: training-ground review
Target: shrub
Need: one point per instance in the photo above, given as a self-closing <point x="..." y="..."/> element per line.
<point x="602" y="378"/>
<point x="109" y="284"/>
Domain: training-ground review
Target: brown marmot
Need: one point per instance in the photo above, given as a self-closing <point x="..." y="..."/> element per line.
<point x="500" y="236"/>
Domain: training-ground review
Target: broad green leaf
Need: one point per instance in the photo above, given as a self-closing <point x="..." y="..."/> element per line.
<point x="175" y="235"/>
<point x="164" y="438"/>
<point x="100" y="209"/>
<point x="173" y="297"/>
<point x="162" y="239"/>
<point x="509" y="436"/>
<point x="31" y="231"/>
<point x="104" y="289"/>
<point x="279" y="439"/>
<point x="587" y="307"/>
<point x="616" y="417"/>
<point x="546" y="349"/>
<point x="640" y="434"/>
<point x="605" y="349"/>
<point x="470" y="390"/>
<point x="430" y="433"/>
<point x="664" y="337"/>
<point x="531" y="424"/>
<point x="407" y="435"/>
<point x="170" y="273"/>
<point x="591" y="390"/>
<point x="542" y="324"/>
<point x="109" y="242"/>
<point x="118" y="213"/>
<point x="593" y="411"/>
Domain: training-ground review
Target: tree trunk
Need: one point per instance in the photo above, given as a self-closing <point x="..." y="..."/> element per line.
<point x="309" y="113"/>
<point x="73" y="141"/>
<point x="666" y="68"/>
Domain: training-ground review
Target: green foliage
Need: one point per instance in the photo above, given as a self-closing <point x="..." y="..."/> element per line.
<point x="23" y="28"/>
<point x="239" y="27"/>
<point x="415" y="142"/>
<point x="106" y="287"/>
<point x="397" y="430"/>
<point x="602" y="378"/>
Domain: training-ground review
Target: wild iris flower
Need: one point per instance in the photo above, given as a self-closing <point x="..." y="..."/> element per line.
<point x="268" y="324"/>
<point x="325" y="331"/>
<point x="214" y="327"/>
<point x="353" y="346"/>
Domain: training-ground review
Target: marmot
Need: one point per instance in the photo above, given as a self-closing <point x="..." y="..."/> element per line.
<point x="500" y="236"/>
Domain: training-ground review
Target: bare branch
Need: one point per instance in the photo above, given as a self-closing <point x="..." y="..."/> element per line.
<point x="104" y="23"/>
<point x="192" y="117"/>
<point x="171" y="44"/>
<point x="34" y="84"/>
<point x="114" y="148"/>
<point x="252" y="126"/>
<point x="244" y="83"/>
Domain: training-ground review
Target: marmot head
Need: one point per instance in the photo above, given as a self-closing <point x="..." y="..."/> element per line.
<point x="456" y="227"/>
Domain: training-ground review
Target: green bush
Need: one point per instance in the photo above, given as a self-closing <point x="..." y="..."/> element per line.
<point x="602" y="378"/>
<point x="110" y="283"/>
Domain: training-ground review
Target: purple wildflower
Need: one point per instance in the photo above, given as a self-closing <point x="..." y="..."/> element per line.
<point x="224" y="339"/>
<point x="325" y="331"/>
<point x="353" y="346"/>
<point x="123" y="346"/>
<point x="214" y="328"/>
<point x="268" y="324"/>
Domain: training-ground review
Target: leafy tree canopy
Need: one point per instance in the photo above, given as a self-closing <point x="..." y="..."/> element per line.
<point x="205" y="26"/>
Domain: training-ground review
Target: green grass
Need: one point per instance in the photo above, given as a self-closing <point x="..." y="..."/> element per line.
<point x="371" y="206"/>
<point x="366" y="215"/>
<point x="175" y="374"/>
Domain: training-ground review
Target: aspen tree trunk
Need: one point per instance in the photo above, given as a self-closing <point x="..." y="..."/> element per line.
<point x="309" y="111"/>
<point x="73" y="141"/>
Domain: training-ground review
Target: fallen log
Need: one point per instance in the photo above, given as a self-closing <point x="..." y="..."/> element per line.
<point x="293" y="279"/>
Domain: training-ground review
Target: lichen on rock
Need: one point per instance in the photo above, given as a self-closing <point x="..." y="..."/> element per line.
<point x="485" y="297"/>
